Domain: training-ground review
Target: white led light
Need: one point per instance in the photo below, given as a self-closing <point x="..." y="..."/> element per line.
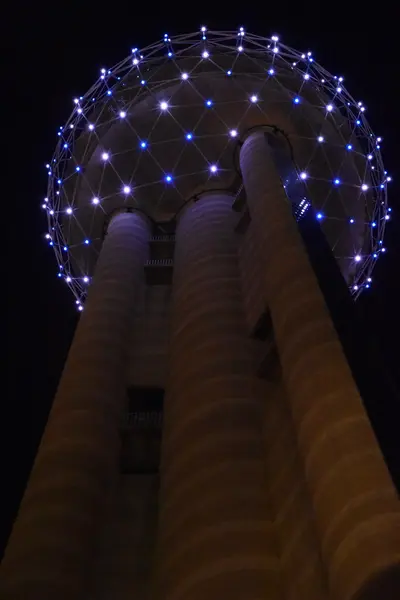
<point x="213" y="168"/>
<point x="105" y="156"/>
<point x="103" y="71"/>
<point x="303" y="175"/>
<point x="275" y="38"/>
<point x="364" y="187"/>
<point x="240" y="48"/>
<point x="275" y="49"/>
<point x="271" y="71"/>
<point x="329" y="108"/>
<point x="69" y="211"/>
<point x="185" y="76"/>
<point x="370" y="157"/>
<point x="320" y="138"/>
<point x="388" y="179"/>
<point x="338" y="89"/>
<point x="86" y="279"/>
<point x="233" y="133"/>
<point x="122" y="114"/>
<point x="76" y="100"/>
<point x="126" y="189"/>
<point x="253" y="98"/>
<point x="95" y="200"/>
<point x="306" y="76"/>
<point x="357" y="258"/>
<point x="135" y="61"/>
<point x="164" y="105"/>
<point x="205" y="54"/>
<point x="80" y="307"/>
<point x="68" y="279"/>
<point x="203" y="29"/>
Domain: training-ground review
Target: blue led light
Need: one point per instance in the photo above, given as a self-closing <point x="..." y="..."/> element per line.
<point x="229" y="72"/>
<point x="109" y="92"/>
<point x="168" y="178"/>
<point x="296" y="100"/>
<point x="336" y="181"/>
<point x="373" y="224"/>
<point x="351" y="221"/>
<point x="77" y="169"/>
<point x="208" y="102"/>
<point x="87" y="242"/>
<point x="320" y="216"/>
<point x="143" y="144"/>
<point x="349" y="147"/>
<point x="189" y="136"/>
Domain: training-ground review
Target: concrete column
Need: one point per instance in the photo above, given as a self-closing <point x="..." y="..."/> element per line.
<point x="52" y="543"/>
<point x="355" y="503"/>
<point x="215" y="533"/>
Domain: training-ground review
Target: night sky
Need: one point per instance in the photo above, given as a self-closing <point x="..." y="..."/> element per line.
<point x="53" y="52"/>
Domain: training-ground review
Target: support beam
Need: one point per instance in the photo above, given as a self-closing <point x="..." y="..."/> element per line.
<point x="51" y="547"/>
<point x="355" y="503"/>
<point x="215" y="535"/>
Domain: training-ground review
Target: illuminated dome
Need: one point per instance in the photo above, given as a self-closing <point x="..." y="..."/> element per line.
<point x="166" y="123"/>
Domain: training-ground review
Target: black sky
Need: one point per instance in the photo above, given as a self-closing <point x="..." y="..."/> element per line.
<point x="53" y="51"/>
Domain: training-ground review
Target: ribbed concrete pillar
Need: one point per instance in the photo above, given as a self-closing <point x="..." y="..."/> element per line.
<point x="215" y="534"/>
<point x="49" y="553"/>
<point x="356" y="506"/>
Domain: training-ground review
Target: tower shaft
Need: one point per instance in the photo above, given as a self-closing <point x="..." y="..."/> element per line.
<point x="354" y="500"/>
<point x="215" y="533"/>
<point x="53" y="540"/>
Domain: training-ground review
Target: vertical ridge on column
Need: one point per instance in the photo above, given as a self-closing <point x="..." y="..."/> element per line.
<point x="51" y="544"/>
<point x="356" y="506"/>
<point x="215" y="534"/>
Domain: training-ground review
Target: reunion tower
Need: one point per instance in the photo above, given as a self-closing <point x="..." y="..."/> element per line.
<point x="208" y="440"/>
